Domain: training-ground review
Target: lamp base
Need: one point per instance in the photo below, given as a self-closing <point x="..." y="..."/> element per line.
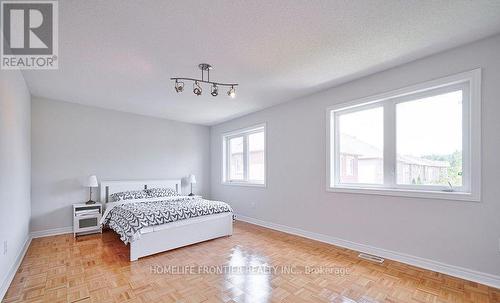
<point x="191" y="194"/>
<point x="90" y="202"/>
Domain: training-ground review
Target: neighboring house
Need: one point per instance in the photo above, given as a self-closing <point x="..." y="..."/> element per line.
<point x="415" y="170"/>
<point x="361" y="162"/>
<point x="256" y="167"/>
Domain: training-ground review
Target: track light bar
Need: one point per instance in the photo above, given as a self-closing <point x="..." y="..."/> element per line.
<point x="197" y="89"/>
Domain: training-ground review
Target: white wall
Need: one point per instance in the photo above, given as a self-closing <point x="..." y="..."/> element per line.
<point x="464" y="234"/>
<point x="72" y="141"/>
<point x="15" y="154"/>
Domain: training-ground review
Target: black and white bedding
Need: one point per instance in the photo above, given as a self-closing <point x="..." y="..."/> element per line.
<point x="128" y="218"/>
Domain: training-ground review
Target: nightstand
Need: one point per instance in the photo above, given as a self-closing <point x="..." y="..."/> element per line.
<point x="86" y="218"/>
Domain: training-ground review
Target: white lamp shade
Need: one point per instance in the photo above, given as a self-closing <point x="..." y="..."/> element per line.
<point x="91" y="181"/>
<point x="192" y="179"/>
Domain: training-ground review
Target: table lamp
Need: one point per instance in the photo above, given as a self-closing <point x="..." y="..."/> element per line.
<point x="91" y="182"/>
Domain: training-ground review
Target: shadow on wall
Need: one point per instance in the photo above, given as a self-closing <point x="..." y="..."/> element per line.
<point x="67" y="186"/>
<point x="72" y="190"/>
<point x="53" y="216"/>
<point x="63" y="194"/>
<point x="185" y="182"/>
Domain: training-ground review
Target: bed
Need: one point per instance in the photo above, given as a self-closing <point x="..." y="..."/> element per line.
<point x="153" y="225"/>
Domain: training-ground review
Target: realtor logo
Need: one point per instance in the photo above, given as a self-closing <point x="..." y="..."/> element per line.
<point x="30" y="35"/>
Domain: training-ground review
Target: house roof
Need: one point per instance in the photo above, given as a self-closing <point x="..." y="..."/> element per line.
<point x="422" y="161"/>
<point x="354" y="146"/>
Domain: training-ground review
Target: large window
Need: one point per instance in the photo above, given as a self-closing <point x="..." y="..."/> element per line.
<point x="419" y="141"/>
<point x="244" y="156"/>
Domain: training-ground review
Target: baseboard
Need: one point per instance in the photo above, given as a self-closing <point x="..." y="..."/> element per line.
<point x="14" y="267"/>
<point x="52" y="232"/>
<point x="455" y="271"/>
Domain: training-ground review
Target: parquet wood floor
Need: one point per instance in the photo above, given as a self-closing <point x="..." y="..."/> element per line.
<point x="95" y="268"/>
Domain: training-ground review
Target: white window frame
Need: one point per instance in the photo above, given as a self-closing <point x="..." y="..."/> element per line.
<point x="470" y="82"/>
<point x="243" y="132"/>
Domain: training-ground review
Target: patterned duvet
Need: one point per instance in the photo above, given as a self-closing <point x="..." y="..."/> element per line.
<point x="127" y="219"/>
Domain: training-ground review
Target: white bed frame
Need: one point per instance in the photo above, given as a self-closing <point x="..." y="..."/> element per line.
<point x="171" y="235"/>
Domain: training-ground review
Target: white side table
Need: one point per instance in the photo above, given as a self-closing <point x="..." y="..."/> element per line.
<point x="86" y="218"/>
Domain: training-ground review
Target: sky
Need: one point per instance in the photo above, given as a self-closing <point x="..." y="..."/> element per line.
<point x="425" y="126"/>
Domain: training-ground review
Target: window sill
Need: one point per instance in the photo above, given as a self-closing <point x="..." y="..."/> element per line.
<point x="244" y="184"/>
<point x="460" y="196"/>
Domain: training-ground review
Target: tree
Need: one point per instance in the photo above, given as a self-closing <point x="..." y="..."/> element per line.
<point x="454" y="171"/>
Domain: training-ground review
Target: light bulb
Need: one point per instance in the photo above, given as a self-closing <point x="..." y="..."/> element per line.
<point x="215" y="90"/>
<point x="196" y="88"/>
<point x="231" y="93"/>
<point x="179" y="86"/>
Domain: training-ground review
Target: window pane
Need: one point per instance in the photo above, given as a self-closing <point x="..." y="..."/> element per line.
<point x="256" y="157"/>
<point x="236" y="159"/>
<point x="361" y="146"/>
<point x="429" y="140"/>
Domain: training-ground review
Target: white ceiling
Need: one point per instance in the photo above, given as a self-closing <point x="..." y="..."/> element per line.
<point x="120" y="54"/>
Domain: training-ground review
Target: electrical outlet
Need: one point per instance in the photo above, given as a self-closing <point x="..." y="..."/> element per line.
<point x="5" y="247"/>
<point x="252" y="204"/>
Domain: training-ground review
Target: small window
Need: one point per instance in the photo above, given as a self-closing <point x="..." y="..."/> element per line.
<point x="421" y="141"/>
<point x="349" y="166"/>
<point x="244" y="157"/>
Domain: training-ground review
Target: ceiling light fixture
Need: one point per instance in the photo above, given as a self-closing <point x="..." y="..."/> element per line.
<point x="197" y="89"/>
